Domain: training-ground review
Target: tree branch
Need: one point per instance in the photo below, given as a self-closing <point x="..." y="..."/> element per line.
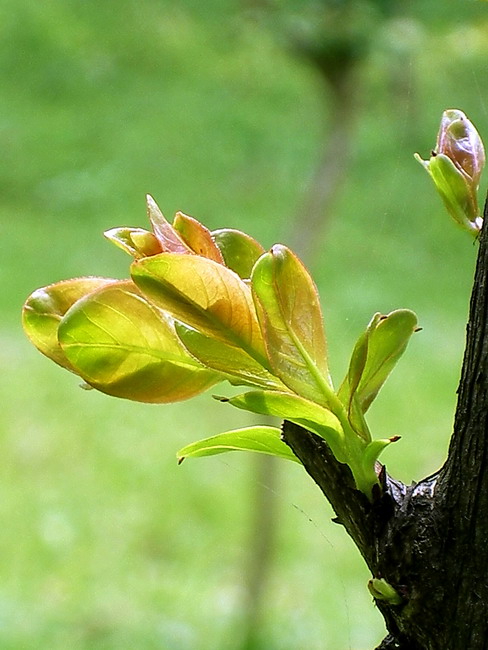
<point x="428" y="540"/>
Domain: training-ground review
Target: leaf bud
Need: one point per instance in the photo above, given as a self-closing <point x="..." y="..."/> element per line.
<point x="460" y="142"/>
<point x="380" y="589"/>
<point x="455" y="167"/>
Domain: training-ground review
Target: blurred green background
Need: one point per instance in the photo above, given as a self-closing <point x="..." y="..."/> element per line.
<point x="105" y="542"/>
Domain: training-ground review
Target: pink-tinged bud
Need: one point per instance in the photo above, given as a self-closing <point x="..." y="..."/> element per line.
<point x="459" y="140"/>
<point x="455" y="167"/>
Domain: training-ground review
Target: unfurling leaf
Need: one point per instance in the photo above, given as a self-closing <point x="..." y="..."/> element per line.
<point x="197" y="237"/>
<point x="122" y="345"/>
<point x="298" y="410"/>
<point x="167" y="236"/>
<point x="289" y="312"/>
<point x="205" y="295"/>
<point x="453" y="189"/>
<point x="135" y="241"/>
<point x="266" y="440"/>
<point x="44" y="309"/>
<point x="375" y="355"/>
<point x="240" y="251"/>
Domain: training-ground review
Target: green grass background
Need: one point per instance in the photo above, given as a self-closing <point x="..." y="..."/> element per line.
<point x="105" y="542"/>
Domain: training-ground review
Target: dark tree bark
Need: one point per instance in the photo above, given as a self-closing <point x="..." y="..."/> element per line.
<point x="428" y="540"/>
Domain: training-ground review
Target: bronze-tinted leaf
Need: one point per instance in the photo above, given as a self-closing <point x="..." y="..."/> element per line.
<point x="197" y="237"/>
<point x="168" y="237"/>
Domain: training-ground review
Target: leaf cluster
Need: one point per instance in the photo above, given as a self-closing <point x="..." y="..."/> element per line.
<point x="202" y="307"/>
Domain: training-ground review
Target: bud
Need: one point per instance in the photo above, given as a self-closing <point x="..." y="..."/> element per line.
<point x="135" y="241"/>
<point x="455" y="167"/>
<point x="382" y="590"/>
<point x="459" y="140"/>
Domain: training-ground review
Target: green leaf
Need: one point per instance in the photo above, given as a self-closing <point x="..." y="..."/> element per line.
<point x="383" y="343"/>
<point x="197" y="237"/>
<point x="289" y="312"/>
<point x="168" y="238"/>
<point x="454" y="190"/>
<point x="240" y="251"/>
<point x="299" y="410"/>
<point x="230" y="359"/>
<point x="44" y="309"/>
<point x="135" y="241"/>
<point x="122" y="345"/>
<point x="266" y="440"/>
<point x="347" y="392"/>
<point x="205" y="295"/>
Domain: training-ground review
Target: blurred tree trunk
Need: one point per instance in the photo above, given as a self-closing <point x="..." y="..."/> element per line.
<point x="262" y="540"/>
<point x="338" y="72"/>
<point x="428" y="540"/>
<point x="320" y="198"/>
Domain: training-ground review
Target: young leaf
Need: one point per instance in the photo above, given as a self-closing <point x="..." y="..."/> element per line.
<point x="204" y="295"/>
<point x="266" y="440"/>
<point x="383" y="344"/>
<point x="289" y="312"/>
<point x="135" y="241"/>
<point x="44" y="309"/>
<point x="241" y="368"/>
<point x="240" y="251"/>
<point x="347" y="391"/>
<point x="168" y="237"/>
<point x="454" y="190"/>
<point x="297" y="409"/>
<point x="197" y="237"/>
<point x="122" y="345"/>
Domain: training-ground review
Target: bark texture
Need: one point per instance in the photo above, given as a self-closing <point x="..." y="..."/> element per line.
<point x="428" y="540"/>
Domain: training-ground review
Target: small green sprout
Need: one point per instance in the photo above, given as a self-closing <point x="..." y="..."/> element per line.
<point x="380" y="589"/>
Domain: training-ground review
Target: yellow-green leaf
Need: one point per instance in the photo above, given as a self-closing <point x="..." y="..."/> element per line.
<point x="124" y="346"/>
<point x="204" y="295"/>
<point x="299" y="410"/>
<point x="289" y="311"/>
<point x="266" y="440"/>
<point x="44" y="309"/>
<point x="230" y="359"/>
